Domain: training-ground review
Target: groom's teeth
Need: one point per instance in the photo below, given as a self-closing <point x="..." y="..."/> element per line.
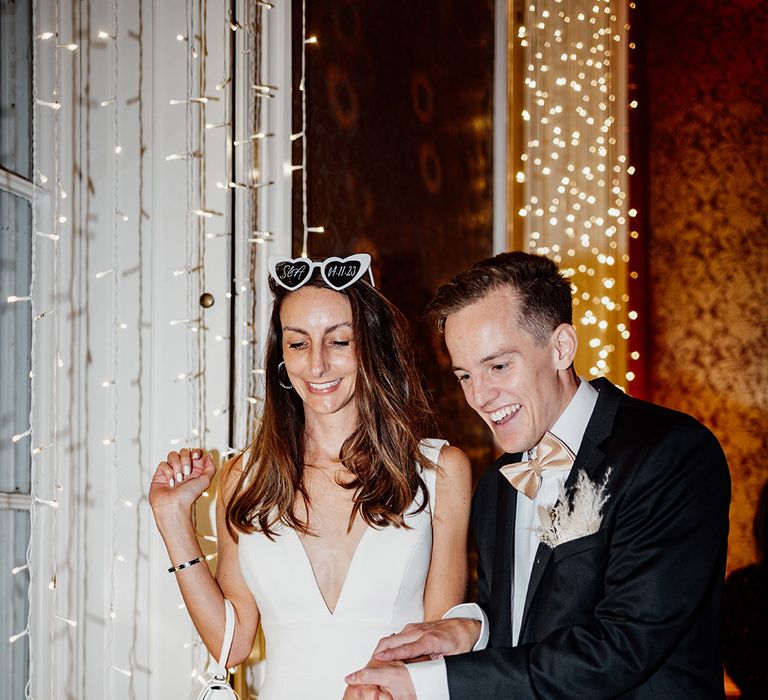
<point x="326" y="385"/>
<point x="496" y="416"/>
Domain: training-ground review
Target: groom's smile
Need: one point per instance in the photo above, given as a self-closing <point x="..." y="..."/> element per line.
<point x="503" y="415"/>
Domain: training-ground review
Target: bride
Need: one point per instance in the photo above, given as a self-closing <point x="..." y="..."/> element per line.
<point x="341" y="522"/>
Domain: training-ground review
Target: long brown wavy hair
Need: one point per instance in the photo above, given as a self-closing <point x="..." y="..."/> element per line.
<point x="381" y="454"/>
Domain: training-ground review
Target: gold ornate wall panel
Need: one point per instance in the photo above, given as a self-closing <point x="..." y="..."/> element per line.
<point x="707" y="78"/>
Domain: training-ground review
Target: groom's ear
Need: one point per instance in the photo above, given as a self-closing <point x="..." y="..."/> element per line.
<point x="564" y="345"/>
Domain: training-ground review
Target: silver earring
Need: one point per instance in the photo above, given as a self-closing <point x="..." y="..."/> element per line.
<point x="288" y="386"/>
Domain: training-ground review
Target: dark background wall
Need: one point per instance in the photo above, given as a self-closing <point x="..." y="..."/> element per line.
<point x="400" y="101"/>
<point x="400" y="165"/>
<point x="706" y="68"/>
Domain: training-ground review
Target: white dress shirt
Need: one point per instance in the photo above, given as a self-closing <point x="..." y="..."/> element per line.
<point x="430" y="679"/>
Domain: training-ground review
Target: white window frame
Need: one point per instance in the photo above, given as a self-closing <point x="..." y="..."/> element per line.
<point x="23" y="188"/>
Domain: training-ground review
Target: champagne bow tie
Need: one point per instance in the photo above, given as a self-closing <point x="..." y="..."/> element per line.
<point x="525" y="476"/>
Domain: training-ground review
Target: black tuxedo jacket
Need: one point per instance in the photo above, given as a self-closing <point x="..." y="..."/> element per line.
<point x="631" y="611"/>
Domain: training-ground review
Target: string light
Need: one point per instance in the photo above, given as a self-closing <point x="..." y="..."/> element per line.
<point x="251" y="138"/>
<point x="193" y="100"/>
<point x="186" y="271"/>
<point x="182" y="156"/>
<point x="231" y="185"/>
<point x="260" y="237"/>
<point x="15" y="637"/>
<point x="114" y="340"/>
<point x="123" y="671"/>
<point x="48" y="330"/>
<point x="264" y="90"/>
<point x="308" y="40"/>
<point x="50" y="105"/>
<point x="573" y="168"/>
<point x="21" y="436"/>
<point x="71" y="623"/>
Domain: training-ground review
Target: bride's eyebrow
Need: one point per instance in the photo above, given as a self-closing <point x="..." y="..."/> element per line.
<point x="330" y="329"/>
<point x="335" y="327"/>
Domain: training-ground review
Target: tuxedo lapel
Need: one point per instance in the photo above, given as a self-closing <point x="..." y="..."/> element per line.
<point x="589" y="459"/>
<point x="503" y="565"/>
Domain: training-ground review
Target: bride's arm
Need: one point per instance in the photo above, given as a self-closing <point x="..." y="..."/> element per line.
<point x="447" y="578"/>
<point x="203" y="594"/>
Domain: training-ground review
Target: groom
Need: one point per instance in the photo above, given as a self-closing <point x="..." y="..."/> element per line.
<point x="601" y="534"/>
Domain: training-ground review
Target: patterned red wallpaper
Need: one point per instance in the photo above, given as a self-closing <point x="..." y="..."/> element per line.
<point x="707" y="86"/>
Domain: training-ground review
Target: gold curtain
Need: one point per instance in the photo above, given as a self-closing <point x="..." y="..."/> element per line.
<point x="569" y="170"/>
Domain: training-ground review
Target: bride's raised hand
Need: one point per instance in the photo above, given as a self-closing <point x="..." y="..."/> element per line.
<point x="180" y="480"/>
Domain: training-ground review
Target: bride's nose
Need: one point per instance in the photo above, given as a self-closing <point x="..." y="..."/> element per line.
<point x="318" y="360"/>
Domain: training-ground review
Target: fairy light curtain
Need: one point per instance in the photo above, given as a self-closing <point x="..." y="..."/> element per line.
<point x="573" y="166"/>
<point x="104" y="119"/>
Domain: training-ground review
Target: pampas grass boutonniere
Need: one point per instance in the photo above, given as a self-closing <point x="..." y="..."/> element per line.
<point x="576" y="517"/>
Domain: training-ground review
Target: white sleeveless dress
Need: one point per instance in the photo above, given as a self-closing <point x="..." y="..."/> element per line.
<point x="310" y="649"/>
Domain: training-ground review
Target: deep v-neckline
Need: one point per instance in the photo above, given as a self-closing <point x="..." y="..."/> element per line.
<point x="316" y="585"/>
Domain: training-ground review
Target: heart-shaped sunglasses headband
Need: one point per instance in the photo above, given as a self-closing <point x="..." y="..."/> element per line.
<point x="338" y="273"/>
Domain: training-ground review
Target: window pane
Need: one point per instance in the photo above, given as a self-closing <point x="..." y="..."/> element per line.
<point x="14" y="658"/>
<point x="15" y="83"/>
<point x="15" y="340"/>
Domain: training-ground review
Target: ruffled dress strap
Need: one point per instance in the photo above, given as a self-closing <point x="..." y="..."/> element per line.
<point x="430" y="448"/>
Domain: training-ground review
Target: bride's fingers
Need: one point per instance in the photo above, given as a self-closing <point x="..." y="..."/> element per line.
<point x="202" y="464"/>
<point x="164" y="475"/>
<point x="197" y="456"/>
<point x="186" y="462"/>
<point x="174" y="460"/>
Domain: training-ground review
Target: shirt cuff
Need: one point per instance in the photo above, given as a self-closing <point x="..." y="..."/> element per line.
<point x="430" y="679"/>
<point x="472" y="611"/>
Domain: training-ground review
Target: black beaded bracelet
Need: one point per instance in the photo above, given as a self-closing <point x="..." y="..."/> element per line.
<point x="186" y="564"/>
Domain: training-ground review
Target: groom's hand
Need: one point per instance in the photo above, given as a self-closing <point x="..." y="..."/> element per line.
<point x="390" y="680"/>
<point x="429" y="639"/>
<point x="365" y="692"/>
